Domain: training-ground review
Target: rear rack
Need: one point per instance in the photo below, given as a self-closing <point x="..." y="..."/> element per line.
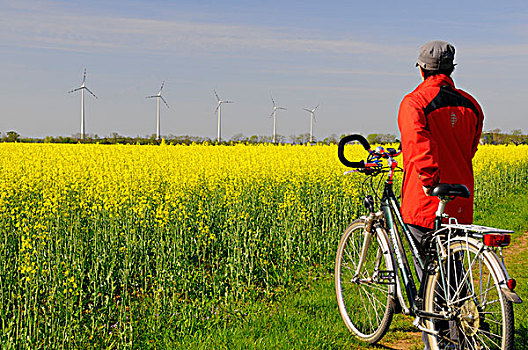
<point x="476" y="228"/>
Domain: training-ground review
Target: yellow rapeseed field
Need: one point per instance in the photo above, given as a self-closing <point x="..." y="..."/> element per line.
<point x="95" y="238"/>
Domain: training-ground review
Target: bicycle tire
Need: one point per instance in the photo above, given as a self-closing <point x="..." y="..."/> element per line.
<point x="483" y="317"/>
<point x="366" y="307"/>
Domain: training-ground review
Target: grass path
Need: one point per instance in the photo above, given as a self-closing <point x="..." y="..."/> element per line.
<point x="309" y="319"/>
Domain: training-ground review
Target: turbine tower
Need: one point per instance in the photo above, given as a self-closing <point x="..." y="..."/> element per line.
<point x="274" y="115"/>
<point x="159" y="97"/>
<point x="219" y="111"/>
<point x="82" y="88"/>
<point x="312" y="120"/>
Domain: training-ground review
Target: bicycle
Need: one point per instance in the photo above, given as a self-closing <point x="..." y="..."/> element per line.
<point x="465" y="299"/>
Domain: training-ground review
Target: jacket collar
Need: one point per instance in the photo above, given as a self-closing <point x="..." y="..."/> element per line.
<point x="437" y="80"/>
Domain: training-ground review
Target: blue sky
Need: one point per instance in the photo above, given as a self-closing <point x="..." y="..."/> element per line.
<point x="354" y="58"/>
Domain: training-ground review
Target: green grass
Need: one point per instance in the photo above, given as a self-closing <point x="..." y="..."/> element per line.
<point x="309" y="318"/>
<point x="302" y="319"/>
<point x="508" y="212"/>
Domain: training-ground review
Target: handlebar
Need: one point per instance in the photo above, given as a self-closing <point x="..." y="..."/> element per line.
<point x="341" y="150"/>
<point x="373" y="164"/>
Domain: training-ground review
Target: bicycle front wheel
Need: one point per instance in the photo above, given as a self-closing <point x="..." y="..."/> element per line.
<point x="466" y="288"/>
<point x="365" y="299"/>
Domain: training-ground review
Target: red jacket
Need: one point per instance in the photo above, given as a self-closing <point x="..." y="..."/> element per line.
<point x="440" y="129"/>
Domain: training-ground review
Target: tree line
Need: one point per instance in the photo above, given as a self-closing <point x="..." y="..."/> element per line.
<point x="495" y="137"/>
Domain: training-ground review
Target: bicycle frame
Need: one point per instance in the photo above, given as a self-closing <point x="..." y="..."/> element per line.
<point x="391" y="211"/>
<point x="390" y="207"/>
<point x="392" y="220"/>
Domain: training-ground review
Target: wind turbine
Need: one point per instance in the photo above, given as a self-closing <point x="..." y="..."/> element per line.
<point x="82" y="88"/>
<point x="219" y="110"/>
<point x="312" y="119"/>
<point x="274" y="115"/>
<point x="159" y="97"/>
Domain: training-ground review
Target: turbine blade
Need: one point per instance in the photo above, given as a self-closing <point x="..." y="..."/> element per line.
<point x="218" y="98"/>
<point x="316" y="107"/>
<point x="228" y="101"/>
<point x="307" y="110"/>
<point x="79" y="88"/>
<point x="152" y="96"/>
<point x="162" y="83"/>
<point x="282" y="108"/>
<point x="166" y="104"/>
<point x="272" y="100"/>
<point x="84" y="76"/>
<point x="90" y="92"/>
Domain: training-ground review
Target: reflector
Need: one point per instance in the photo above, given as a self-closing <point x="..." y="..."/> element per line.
<point x="512" y="284"/>
<point x="497" y="240"/>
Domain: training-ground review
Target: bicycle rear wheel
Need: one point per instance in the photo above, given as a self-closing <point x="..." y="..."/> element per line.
<point x="365" y="301"/>
<point x="482" y="318"/>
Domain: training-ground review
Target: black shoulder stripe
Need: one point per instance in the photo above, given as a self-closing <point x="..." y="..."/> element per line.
<point x="448" y="97"/>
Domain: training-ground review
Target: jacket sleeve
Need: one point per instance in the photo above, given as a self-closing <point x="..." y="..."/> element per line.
<point x="480" y="121"/>
<point x="478" y="131"/>
<point x="418" y="147"/>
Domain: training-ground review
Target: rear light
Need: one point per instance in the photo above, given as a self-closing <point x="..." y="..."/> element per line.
<point x="497" y="240"/>
<point x="511" y="284"/>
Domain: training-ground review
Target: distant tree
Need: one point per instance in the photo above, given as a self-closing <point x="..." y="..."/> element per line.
<point x="381" y="138"/>
<point x="12" y="136"/>
<point x="303" y="138"/>
<point x="265" y="139"/>
<point x="239" y="138"/>
<point x="486" y="138"/>
<point x="332" y="139"/>
<point x="253" y="139"/>
<point x="281" y="139"/>
<point x="517" y="137"/>
<point x="496" y="137"/>
<point x="152" y="140"/>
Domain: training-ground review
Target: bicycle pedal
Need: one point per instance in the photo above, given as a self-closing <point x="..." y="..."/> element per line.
<point x="386" y="277"/>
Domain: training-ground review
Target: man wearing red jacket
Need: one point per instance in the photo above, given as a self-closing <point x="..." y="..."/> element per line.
<point x="440" y="128"/>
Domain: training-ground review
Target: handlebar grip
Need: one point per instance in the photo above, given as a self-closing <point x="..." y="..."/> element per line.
<point x="341" y="150"/>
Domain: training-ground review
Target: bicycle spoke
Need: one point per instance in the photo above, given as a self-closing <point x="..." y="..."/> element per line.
<point x="374" y="297"/>
<point x="489" y="336"/>
<point x="485" y="339"/>
<point x="351" y="259"/>
<point x="369" y="310"/>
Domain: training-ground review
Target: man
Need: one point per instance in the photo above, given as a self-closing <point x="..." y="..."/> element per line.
<point x="440" y="128"/>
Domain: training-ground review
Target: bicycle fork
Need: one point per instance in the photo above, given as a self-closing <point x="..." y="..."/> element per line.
<point x="367" y="237"/>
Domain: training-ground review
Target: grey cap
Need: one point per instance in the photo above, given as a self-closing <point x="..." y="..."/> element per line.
<point x="436" y="55"/>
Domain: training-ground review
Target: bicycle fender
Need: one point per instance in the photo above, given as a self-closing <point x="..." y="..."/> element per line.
<point x="511" y="295"/>
<point x="498" y="268"/>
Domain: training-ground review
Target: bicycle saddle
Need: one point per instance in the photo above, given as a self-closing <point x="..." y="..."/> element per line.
<point x="451" y="190"/>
